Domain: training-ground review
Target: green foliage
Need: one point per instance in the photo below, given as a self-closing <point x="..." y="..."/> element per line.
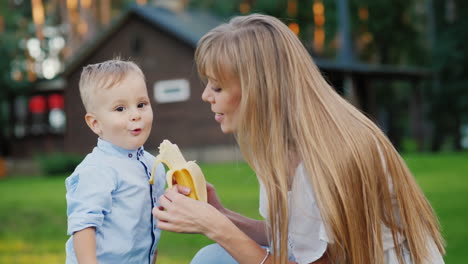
<point x="409" y="146"/>
<point x="399" y="32"/>
<point x="16" y="28"/>
<point x="56" y="164"/>
<point x="15" y="22"/>
<point x="220" y="8"/>
<point x="449" y="94"/>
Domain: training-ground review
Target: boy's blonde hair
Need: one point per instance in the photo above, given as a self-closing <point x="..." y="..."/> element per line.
<point x="288" y="107"/>
<point x="104" y="75"/>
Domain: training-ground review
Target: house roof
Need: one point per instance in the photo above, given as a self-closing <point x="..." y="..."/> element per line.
<point x="188" y="26"/>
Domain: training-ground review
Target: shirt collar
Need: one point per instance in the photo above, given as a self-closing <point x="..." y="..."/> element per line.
<point x="112" y="149"/>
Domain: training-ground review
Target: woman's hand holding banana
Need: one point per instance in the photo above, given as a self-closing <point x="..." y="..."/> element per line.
<point x="180" y="171"/>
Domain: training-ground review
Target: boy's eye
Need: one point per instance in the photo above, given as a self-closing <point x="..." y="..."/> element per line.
<point x="119" y="108"/>
<point x="141" y="105"/>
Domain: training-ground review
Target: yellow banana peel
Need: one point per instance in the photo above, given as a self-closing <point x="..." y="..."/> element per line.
<point x="180" y="171"/>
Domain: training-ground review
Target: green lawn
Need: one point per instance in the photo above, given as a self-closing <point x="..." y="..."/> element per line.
<point x="33" y="214"/>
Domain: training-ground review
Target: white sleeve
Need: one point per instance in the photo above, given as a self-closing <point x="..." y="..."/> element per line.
<point x="307" y="237"/>
<point x="307" y="232"/>
<point x="263" y="202"/>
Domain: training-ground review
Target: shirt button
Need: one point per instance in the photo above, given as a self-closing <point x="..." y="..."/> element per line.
<point x="130" y="155"/>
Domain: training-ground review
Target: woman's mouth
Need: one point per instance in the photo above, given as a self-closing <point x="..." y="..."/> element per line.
<point x="219" y="117"/>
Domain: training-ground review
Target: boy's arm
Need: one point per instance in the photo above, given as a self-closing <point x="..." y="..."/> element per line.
<point x="84" y="242"/>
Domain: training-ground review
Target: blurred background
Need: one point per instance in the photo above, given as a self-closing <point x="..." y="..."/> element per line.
<point x="402" y="62"/>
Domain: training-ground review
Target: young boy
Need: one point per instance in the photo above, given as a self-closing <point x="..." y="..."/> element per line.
<point x="109" y="198"/>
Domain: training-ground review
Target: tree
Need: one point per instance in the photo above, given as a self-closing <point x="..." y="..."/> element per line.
<point x="449" y="95"/>
<point x="15" y="27"/>
<point x="383" y="33"/>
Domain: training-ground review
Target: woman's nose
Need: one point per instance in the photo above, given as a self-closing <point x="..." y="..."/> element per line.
<point x="207" y="96"/>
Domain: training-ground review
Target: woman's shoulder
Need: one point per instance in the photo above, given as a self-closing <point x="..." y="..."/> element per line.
<point x="302" y="185"/>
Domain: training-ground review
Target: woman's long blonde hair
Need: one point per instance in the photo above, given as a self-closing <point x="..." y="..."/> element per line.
<point x="287" y="107"/>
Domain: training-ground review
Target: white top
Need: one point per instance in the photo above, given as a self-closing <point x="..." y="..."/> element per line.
<point x="307" y="236"/>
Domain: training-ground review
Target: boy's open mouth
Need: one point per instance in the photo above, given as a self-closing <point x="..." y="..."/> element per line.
<point x="136" y="131"/>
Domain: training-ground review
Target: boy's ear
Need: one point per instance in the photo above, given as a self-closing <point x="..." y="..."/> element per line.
<point x="93" y="123"/>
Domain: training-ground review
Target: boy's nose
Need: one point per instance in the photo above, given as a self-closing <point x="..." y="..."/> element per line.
<point x="135" y="115"/>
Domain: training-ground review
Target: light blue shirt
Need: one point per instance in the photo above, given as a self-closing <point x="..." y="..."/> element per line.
<point x="109" y="190"/>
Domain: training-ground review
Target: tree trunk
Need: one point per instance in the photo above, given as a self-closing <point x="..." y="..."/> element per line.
<point x="457" y="136"/>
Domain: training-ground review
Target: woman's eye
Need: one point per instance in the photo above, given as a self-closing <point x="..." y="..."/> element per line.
<point x="216" y="89"/>
<point x="119" y="109"/>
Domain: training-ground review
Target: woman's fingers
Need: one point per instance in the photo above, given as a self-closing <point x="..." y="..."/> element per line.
<point x="163" y="217"/>
<point x="161" y="214"/>
<point x="173" y="193"/>
<point x="166" y="226"/>
<point x="179" y="213"/>
<point x="182" y="189"/>
<point x="172" y="201"/>
<point x="164" y="201"/>
<point x="213" y="198"/>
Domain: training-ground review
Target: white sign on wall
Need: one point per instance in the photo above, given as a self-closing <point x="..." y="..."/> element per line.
<point x="170" y="91"/>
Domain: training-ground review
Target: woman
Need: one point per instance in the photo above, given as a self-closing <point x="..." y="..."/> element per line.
<point x="333" y="188"/>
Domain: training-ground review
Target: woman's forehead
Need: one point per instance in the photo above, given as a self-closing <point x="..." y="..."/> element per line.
<point x="219" y="73"/>
<point x="209" y="73"/>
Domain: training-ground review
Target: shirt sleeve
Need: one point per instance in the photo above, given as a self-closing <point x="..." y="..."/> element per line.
<point x="89" y="197"/>
<point x="307" y="232"/>
<point x="307" y="236"/>
<point x="263" y="201"/>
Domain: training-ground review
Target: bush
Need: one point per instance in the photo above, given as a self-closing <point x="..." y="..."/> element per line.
<point x="409" y="146"/>
<point x="58" y="163"/>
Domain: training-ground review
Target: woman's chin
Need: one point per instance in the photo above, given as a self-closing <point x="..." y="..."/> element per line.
<point x="226" y="129"/>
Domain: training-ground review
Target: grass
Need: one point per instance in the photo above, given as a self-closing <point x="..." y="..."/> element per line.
<point x="444" y="180"/>
<point x="33" y="210"/>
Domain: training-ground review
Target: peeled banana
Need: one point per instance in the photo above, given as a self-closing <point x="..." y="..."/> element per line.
<point x="180" y="171"/>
